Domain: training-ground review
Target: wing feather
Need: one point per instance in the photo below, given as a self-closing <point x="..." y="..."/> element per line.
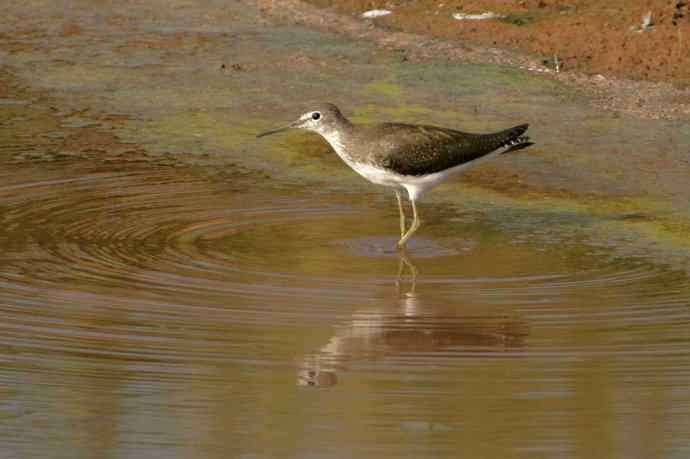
<point x="420" y="150"/>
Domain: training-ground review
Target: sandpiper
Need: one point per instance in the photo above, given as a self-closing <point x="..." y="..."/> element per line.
<point x="415" y="158"/>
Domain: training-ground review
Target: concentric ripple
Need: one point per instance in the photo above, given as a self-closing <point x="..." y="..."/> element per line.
<point x="176" y="276"/>
<point x="178" y="237"/>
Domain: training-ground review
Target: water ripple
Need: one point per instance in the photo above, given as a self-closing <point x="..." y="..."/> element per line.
<point x="180" y="258"/>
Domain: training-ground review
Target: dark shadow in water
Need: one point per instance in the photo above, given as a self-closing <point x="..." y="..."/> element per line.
<point x="411" y="325"/>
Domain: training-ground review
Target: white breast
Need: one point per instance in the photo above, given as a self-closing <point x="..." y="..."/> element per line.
<point x="372" y="173"/>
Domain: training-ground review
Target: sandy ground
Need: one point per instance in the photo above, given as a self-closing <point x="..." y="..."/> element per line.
<point x="599" y="45"/>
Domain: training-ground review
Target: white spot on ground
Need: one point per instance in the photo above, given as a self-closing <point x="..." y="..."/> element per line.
<point x="477" y="17"/>
<point x="375" y="13"/>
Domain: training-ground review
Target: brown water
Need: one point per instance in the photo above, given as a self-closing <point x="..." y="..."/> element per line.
<point x="170" y="287"/>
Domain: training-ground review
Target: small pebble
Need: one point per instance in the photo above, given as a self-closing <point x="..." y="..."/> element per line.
<point x="375" y="13"/>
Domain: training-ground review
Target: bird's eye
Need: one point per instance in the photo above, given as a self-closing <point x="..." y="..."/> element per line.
<point x="315" y="115"/>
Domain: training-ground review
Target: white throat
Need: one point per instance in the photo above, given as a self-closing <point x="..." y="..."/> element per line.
<point x="335" y="140"/>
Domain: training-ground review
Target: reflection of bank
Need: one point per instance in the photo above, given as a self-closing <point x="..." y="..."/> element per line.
<point x="412" y="324"/>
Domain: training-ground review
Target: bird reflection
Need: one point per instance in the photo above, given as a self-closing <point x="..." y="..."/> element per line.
<point x="406" y="262"/>
<point x="415" y="322"/>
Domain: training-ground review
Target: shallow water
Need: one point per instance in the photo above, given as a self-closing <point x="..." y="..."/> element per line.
<point x="170" y="287"/>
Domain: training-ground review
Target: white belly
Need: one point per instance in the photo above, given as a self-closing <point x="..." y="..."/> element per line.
<point x="416" y="185"/>
<point x="376" y="175"/>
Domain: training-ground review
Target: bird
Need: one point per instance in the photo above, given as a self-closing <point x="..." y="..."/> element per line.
<point x="405" y="157"/>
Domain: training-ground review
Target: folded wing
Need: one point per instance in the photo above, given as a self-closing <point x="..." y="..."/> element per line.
<point x="420" y="150"/>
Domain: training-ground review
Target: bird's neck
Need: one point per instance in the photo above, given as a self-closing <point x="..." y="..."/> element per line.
<point x="340" y="138"/>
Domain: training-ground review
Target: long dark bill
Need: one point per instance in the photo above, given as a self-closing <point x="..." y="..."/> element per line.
<point x="281" y="129"/>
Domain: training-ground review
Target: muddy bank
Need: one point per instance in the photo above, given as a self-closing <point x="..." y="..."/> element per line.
<point x="641" y="74"/>
<point x="586" y="35"/>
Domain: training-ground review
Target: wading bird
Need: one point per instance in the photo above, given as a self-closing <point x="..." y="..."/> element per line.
<point x="407" y="157"/>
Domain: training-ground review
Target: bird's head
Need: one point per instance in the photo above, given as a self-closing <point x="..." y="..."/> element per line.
<point x="322" y="119"/>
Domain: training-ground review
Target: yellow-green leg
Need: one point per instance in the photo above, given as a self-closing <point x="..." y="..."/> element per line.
<point x="414" y="227"/>
<point x="402" y="213"/>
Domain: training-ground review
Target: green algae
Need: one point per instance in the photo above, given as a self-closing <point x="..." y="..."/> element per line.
<point x="631" y="226"/>
<point x="385" y="89"/>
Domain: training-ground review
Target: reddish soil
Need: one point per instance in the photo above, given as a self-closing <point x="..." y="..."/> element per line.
<point x="592" y="36"/>
<point x="639" y="74"/>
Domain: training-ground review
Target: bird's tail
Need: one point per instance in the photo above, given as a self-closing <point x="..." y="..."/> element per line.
<point x="513" y="140"/>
